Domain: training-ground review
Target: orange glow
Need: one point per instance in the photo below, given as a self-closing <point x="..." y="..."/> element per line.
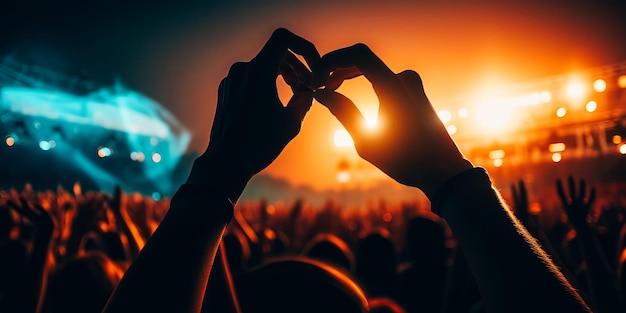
<point x="343" y="177"/>
<point x="591" y="106"/>
<point x="535" y="208"/>
<point x="622" y="148"/>
<point x="10" y="141"/>
<point x="617" y="139"/>
<point x="621" y="81"/>
<point x="599" y="85"/>
<point x="556" y="157"/>
<point x="270" y="210"/>
<point x="556" y="147"/>
<point x="560" y="112"/>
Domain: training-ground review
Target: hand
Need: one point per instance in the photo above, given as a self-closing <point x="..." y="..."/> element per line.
<point x="36" y="214"/>
<point x="575" y="206"/>
<point x="251" y="125"/>
<point x="410" y="144"/>
<point x="521" y="206"/>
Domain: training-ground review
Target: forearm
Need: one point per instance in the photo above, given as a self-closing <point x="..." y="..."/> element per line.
<point x="171" y="272"/>
<point x="513" y="273"/>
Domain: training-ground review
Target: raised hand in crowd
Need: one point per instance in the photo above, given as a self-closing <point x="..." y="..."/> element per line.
<point x="413" y="147"/>
<point x="251" y="127"/>
<point x="602" y="280"/>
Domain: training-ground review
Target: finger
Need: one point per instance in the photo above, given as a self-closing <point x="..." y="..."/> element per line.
<point x="522" y="191"/>
<point x="592" y="196"/>
<point x="344" y="110"/>
<point x="360" y="56"/>
<point x="572" y="187"/>
<point x="561" y="192"/>
<point x="216" y="129"/>
<point x="339" y="75"/>
<point x="272" y="53"/>
<point x="290" y="65"/>
<point x="514" y="194"/>
<point x="300" y="104"/>
<point x="582" y="190"/>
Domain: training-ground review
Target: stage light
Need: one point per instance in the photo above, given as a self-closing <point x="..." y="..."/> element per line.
<point x="497" y="162"/>
<point x="342" y="138"/>
<point x="599" y="85"/>
<point x="591" y="106"/>
<point x="104" y="152"/>
<point x="556" y="157"/>
<point x="560" y="112"/>
<point x="575" y="90"/>
<point x="451" y="129"/>
<point x="444" y="116"/>
<point x="44" y="145"/>
<point x="622" y="148"/>
<point x="463" y="112"/>
<point x="556" y="147"/>
<point x="371" y="122"/>
<point x="621" y="81"/>
<point x="617" y="139"/>
<point x="156" y="157"/>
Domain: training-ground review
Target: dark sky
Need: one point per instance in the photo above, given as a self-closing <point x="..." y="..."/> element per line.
<point x="177" y="52"/>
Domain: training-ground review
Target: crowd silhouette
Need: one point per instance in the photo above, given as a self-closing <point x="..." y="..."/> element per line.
<point x="202" y="251"/>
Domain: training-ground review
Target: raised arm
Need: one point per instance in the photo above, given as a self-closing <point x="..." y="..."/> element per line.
<point x="413" y="147"/>
<point x="251" y="127"/>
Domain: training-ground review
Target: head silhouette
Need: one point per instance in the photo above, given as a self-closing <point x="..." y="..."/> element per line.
<point x="330" y="248"/>
<point x="376" y="263"/>
<point x="299" y="284"/>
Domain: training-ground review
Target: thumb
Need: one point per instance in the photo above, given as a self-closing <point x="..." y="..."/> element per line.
<point x="344" y="110"/>
<point x="300" y="103"/>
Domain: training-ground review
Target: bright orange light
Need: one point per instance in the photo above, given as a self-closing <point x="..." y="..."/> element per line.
<point x="496" y="154"/>
<point x="556" y="147"/>
<point x="575" y="90"/>
<point x="342" y="138"/>
<point x="621" y="81"/>
<point x="556" y="157"/>
<point x="599" y="85"/>
<point x="494" y="119"/>
<point x="463" y="112"/>
<point x="371" y="122"/>
<point x="10" y="141"/>
<point x="156" y="157"/>
<point x="617" y="139"/>
<point x="451" y="129"/>
<point x="591" y="106"/>
<point x="104" y="152"/>
<point x="497" y="162"/>
<point x="622" y="148"/>
<point x="343" y="177"/>
<point x="560" y="112"/>
<point x="444" y="116"/>
<point x="270" y="210"/>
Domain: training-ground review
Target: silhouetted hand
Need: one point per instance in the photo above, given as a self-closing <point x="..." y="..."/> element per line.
<point x="575" y="205"/>
<point x="251" y="125"/>
<point x="410" y="143"/>
<point x="37" y="215"/>
<point x="522" y="207"/>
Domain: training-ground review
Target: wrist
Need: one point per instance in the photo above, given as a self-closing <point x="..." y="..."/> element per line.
<point x="218" y="174"/>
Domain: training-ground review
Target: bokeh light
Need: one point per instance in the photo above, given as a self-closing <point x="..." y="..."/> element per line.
<point x="104" y="152"/>
<point x="44" y="145"/>
<point x="560" y="112"/>
<point x="622" y="148"/>
<point x="463" y="113"/>
<point x="556" y="157"/>
<point x="156" y="157"/>
<point x="575" y="90"/>
<point x="10" y="141"/>
<point x="621" y="81"/>
<point x="451" y="129"/>
<point x="591" y="106"/>
<point x="497" y="162"/>
<point x="599" y="85"/>
<point x="343" y="177"/>
<point x="617" y="139"/>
